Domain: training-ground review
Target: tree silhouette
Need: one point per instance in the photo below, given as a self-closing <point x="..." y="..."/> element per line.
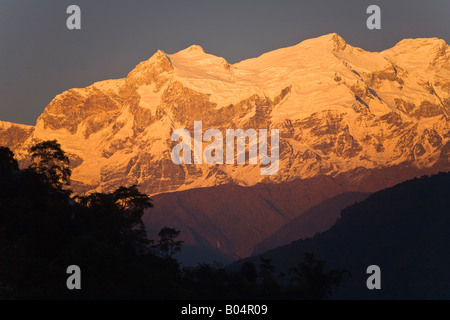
<point x="266" y="270"/>
<point x="167" y="246"/>
<point x="310" y="280"/>
<point x="8" y="164"/>
<point x="51" y="162"/>
<point x="248" y="272"/>
<point x="123" y="209"/>
<point x="43" y="230"/>
<point x="132" y="204"/>
<point x="269" y="286"/>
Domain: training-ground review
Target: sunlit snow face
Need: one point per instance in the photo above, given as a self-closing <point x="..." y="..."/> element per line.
<point x="213" y="153"/>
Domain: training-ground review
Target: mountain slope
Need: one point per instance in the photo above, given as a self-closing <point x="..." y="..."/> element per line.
<point x="403" y="230"/>
<point x="315" y="220"/>
<point x="337" y="107"/>
<point x="226" y="222"/>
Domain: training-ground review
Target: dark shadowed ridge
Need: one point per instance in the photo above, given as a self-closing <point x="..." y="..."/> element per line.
<point x="317" y="219"/>
<point x="403" y="230"/>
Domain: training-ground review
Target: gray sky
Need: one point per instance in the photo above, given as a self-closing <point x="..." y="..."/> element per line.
<point x="40" y="57"/>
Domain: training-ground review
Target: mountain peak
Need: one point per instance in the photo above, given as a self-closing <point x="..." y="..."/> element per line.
<point x="433" y="51"/>
<point x="418" y="42"/>
<point x="332" y="36"/>
<point x="336" y="40"/>
<point x="159" y="62"/>
<point x="159" y="55"/>
<point x="193" y="49"/>
<point x="426" y="45"/>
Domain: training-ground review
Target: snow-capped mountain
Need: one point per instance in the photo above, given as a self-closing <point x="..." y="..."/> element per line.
<point x="337" y="108"/>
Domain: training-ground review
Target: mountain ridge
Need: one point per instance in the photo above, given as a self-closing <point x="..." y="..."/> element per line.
<point x="337" y="107"/>
<point x="316" y="219"/>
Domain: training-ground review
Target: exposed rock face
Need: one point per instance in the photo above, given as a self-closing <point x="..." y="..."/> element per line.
<point x="13" y="135"/>
<point x="337" y="108"/>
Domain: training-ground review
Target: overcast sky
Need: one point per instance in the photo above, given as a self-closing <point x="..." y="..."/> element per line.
<point x="40" y="57"/>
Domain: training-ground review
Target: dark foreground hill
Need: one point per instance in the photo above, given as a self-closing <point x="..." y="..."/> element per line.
<point x="405" y="230"/>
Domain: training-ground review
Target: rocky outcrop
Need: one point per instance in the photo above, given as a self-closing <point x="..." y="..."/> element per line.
<point x="337" y="108"/>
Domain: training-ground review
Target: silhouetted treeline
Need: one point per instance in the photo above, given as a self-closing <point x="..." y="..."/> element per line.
<point x="43" y="230"/>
